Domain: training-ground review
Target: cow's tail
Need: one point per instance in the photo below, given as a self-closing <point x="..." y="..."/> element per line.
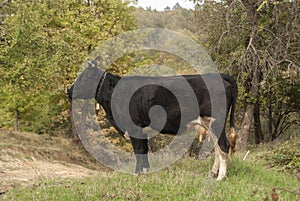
<point x="232" y="141"/>
<point x="232" y="134"/>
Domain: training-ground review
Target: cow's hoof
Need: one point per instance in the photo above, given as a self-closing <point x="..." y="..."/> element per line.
<point x="142" y="171"/>
<point x="212" y="174"/>
<point x="138" y="172"/>
<point x="145" y="170"/>
<point x="222" y="178"/>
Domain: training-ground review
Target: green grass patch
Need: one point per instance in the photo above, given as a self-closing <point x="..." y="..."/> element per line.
<point x="185" y="180"/>
<point x="282" y="156"/>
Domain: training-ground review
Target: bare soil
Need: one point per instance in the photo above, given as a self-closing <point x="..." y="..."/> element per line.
<point x="26" y="158"/>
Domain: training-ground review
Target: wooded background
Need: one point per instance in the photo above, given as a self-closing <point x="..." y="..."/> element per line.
<point x="44" y="42"/>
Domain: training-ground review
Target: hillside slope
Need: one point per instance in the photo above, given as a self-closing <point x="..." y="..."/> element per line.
<point x="26" y="157"/>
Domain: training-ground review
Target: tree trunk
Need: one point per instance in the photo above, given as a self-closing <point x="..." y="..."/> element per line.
<point x="17" y="115"/>
<point x="258" y="134"/>
<point x="251" y="60"/>
<point x="244" y="134"/>
<point x="75" y="135"/>
<point x="245" y="131"/>
<point x="270" y="118"/>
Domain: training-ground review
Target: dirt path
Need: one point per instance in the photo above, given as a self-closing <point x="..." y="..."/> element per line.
<point x="24" y="172"/>
<point x="27" y="158"/>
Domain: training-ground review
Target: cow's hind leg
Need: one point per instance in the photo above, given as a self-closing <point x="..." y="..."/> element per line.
<point x="221" y="152"/>
<point x="222" y="147"/>
<point x="222" y="163"/>
<point x="140" y="148"/>
<point x="216" y="166"/>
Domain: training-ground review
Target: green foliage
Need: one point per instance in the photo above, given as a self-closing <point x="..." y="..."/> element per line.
<point x="44" y="44"/>
<point x="177" y="20"/>
<point x="285" y="158"/>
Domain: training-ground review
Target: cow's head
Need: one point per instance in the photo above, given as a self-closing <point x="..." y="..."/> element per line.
<point x="86" y="84"/>
<point x="202" y="125"/>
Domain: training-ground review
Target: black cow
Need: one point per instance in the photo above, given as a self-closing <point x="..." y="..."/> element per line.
<point x="181" y="106"/>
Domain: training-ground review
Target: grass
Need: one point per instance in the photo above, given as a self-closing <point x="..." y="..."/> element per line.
<point x="253" y="179"/>
<point x="282" y="156"/>
<point x="185" y="180"/>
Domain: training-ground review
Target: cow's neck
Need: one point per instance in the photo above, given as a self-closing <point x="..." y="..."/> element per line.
<point x="104" y="95"/>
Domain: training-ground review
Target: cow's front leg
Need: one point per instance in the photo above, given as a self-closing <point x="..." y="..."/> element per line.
<point x="140" y="148"/>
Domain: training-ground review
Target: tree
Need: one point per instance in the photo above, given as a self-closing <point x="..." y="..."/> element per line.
<point x="45" y="43"/>
<point x="167" y="8"/>
<point x="256" y="42"/>
<point x="177" y="6"/>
